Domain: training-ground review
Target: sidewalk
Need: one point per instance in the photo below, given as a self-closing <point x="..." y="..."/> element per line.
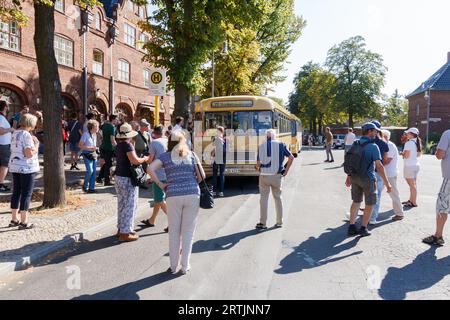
<point x="58" y="228"/>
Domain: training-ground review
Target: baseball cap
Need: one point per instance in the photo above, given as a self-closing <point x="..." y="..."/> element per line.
<point x="413" y="131"/>
<point x="144" y="123"/>
<point x="370" y="126"/>
<point x="376" y="123"/>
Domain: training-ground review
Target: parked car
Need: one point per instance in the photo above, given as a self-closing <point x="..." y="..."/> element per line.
<point x="338" y="141"/>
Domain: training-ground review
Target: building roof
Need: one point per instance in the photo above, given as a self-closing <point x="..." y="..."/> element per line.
<point x="108" y="5"/>
<point x="438" y="81"/>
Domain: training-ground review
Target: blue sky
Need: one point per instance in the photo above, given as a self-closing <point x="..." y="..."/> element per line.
<point x="412" y="36"/>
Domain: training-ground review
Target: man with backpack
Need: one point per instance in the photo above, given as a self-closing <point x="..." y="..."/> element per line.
<point x="360" y="163"/>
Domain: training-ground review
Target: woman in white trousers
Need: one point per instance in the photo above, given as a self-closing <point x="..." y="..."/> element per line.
<point x="183" y="173"/>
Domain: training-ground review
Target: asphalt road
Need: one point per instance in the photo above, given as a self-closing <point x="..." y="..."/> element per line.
<point x="310" y="258"/>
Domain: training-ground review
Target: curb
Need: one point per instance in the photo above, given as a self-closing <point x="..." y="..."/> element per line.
<point x="40" y="253"/>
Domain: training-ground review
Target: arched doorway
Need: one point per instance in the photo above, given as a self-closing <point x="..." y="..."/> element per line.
<point x="145" y="112"/>
<point x="69" y="106"/>
<point x="124" y="112"/>
<point x="14" y="99"/>
<point x="98" y="108"/>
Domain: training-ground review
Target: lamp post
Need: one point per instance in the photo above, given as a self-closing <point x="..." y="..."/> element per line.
<point x="86" y="19"/>
<point x="428" y="101"/>
<point x="224" y="52"/>
<point x="113" y="33"/>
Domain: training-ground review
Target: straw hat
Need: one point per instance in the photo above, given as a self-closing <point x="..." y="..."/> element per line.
<point x="126" y="132"/>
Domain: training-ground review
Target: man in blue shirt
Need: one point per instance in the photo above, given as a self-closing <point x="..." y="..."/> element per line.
<point x="366" y="184"/>
<point x="271" y="156"/>
<point x="384" y="149"/>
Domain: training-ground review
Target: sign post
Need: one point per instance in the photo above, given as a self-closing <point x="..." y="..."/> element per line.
<point x="157" y="88"/>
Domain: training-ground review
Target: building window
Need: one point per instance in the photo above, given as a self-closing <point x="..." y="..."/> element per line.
<point x="59" y="5"/>
<point x="97" y="63"/>
<point x="98" y="21"/>
<point x="129" y="35"/>
<point x="9" y="35"/>
<point x="146" y="78"/>
<point x="124" y="71"/>
<point x="141" y="12"/>
<point x="143" y="39"/>
<point x="63" y="51"/>
<point x="130" y="5"/>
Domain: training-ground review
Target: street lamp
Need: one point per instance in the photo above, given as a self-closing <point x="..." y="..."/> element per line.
<point x="427" y="98"/>
<point x="224" y="52"/>
<point x="86" y="19"/>
<point x="113" y="33"/>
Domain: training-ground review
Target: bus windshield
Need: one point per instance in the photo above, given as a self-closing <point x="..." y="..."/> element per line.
<point x="257" y="120"/>
<point x="214" y="119"/>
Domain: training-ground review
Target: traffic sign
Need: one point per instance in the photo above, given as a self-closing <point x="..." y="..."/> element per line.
<point x="157" y="82"/>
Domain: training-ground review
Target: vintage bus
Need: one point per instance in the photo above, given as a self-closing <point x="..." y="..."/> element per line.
<point x="245" y="119"/>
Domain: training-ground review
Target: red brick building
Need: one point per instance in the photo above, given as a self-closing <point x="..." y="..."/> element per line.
<point x="117" y="77"/>
<point x="437" y="88"/>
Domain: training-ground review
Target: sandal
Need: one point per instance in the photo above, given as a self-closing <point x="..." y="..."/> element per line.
<point x="398" y="218"/>
<point x="409" y="204"/>
<point x="433" y="240"/>
<point x="147" y="223"/>
<point x="23" y="226"/>
<point x="13" y="224"/>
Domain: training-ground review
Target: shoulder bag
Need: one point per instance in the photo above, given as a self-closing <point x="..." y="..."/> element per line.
<point x="206" y="196"/>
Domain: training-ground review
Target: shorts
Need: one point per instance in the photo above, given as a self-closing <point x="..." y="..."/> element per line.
<point x="73" y="147"/>
<point x="411" y="172"/>
<point x="158" y="194"/>
<point x="443" y="201"/>
<point x="5" y="155"/>
<point x="366" y="188"/>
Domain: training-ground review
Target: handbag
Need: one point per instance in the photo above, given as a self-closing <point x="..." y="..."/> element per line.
<point x="206" y="196"/>
<point x="138" y="175"/>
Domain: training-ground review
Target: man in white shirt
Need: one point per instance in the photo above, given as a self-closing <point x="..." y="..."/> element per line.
<point x="391" y="167"/>
<point x="349" y="139"/>
<point x="5" y="144"/>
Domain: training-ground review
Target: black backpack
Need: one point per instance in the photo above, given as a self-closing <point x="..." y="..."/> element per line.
<point x="353" y="163"/>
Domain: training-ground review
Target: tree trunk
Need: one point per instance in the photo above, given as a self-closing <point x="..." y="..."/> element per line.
<point x="350" y="118"/>
<point x="50" y="87"/>
<point x="182" y="101"/>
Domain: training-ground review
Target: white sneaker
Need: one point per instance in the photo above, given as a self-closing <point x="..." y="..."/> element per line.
<point x="221" y="195"/>
<point x="347" y="216"/>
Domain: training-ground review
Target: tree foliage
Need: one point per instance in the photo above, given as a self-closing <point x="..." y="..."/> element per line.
<point x="396" y="110"/>
<point x="259" y="45"/>
<point x="360" y="77"/>
<point x="313" y="99"/>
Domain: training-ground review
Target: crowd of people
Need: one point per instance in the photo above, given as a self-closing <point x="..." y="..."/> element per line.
<point x="175" y="172"/>
<point x="372" y="165"/>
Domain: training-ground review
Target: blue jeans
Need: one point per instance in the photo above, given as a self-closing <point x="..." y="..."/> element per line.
<point x="376" y="208"/>
<point x="219" y="169"/>
<point x="91" y="173"/>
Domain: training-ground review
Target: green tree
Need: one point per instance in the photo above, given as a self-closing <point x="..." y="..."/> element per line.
<point x="183" y="35"/>
<point x="50" y="88"/>
<point x="360" y="77"/>
<point x="313" y="98"/>
<point x="396" y="110"/>
<point x="259" y="44"/>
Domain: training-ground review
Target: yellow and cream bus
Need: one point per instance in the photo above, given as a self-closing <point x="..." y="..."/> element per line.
<point x="245" y="119"/>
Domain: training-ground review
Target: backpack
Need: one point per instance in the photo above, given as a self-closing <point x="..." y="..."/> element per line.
<point x="353" y="163"/>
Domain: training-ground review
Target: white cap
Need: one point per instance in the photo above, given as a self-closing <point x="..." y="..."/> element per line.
<point x="413" y="131"/>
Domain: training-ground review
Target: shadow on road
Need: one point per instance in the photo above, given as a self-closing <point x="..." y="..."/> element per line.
<point x="319" y="251"/>
<point x="223" y="243"/>
<point x="129" y="291"/>
<point x="424" y="272"/>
